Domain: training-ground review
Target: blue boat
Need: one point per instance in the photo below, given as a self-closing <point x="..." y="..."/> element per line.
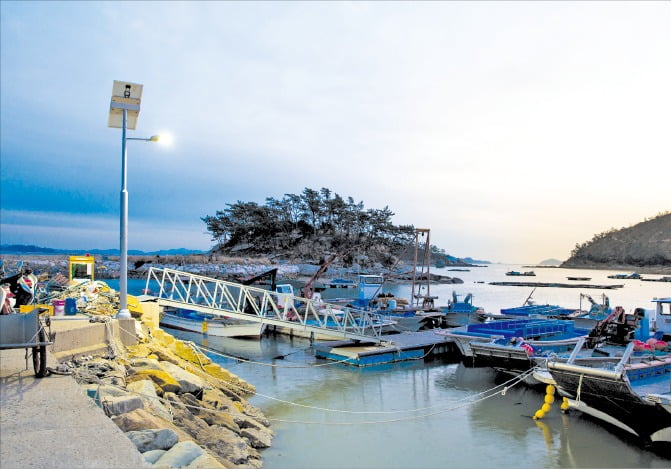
<point x="532" y="332"/>
<point x="460" y="313"/>
<point x="536" y="311"/>
<point x="605" y="344"/>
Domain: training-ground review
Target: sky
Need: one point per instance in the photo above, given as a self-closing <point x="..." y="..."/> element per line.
<point x="513" y="130"/>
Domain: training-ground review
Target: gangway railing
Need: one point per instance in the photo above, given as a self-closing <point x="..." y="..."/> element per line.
<point x="222" y="298"/>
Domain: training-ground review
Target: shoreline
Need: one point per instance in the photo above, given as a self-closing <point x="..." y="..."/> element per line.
<point x="175" y="406"/>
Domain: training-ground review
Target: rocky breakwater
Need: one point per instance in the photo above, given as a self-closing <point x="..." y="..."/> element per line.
<point x="179" y="408"/>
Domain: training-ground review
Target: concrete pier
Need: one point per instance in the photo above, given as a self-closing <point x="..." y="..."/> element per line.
<point x="50" y="422"/>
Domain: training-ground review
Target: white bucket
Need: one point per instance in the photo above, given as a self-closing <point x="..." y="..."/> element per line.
<point x="59" y="307"/>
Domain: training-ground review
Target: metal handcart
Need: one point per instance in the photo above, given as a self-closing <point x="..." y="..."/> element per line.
<point x="27" y="330"/>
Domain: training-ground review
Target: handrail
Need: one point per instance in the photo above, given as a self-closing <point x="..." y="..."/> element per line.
<point x="223" y="298"/>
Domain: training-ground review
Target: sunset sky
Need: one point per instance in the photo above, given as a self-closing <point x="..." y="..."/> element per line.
<point x="512" y="130"/>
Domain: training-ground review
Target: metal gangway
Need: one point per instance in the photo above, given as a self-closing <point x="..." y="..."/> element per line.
<point x="222" y="298"/>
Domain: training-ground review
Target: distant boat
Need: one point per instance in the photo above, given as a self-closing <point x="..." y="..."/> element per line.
<point x="631" y="276"/>
<point x="514" y="273"/>
<point x="581" y="279"/>
<point x="666" y="278"/>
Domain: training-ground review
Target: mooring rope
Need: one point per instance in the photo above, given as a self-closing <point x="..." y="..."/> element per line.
<point x="197" y="348"/>
<point x="513" y="382"/>
<point x="506" y="385"/>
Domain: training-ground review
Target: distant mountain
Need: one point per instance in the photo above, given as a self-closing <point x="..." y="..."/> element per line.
<point x="550" y="262"/>
<point x="30" y="249"/>
<point x="470" y="260"/>
<point x="645" y="244"/>
<point x="464" y="260"/>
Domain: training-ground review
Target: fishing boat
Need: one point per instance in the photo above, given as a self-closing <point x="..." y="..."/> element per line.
<point x="460" y="313"/>
<point x="660" y="318"/>
<point x="192" y="321"/>
<point x="605" y="343"/>
<point x="532" y="332"/>
<point x="534" y="311"/>
<point x="634" y="397"/>
<point x="515" y="273"/>
<point x="665" y="278"/>
<point x="630" y="276"/>
<point x="398" y="315"/>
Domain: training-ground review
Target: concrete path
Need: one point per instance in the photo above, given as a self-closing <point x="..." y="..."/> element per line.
<point x="50" y="423"/>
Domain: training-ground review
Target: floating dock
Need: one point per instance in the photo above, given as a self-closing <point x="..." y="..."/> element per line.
<point x="556" y="285"/>
<point x="400" y="347"/>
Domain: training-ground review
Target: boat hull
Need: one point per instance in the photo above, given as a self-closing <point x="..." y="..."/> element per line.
<point x="610" y="397"/>
<point x="215" y="327"/>
<point x="457" y="318"/>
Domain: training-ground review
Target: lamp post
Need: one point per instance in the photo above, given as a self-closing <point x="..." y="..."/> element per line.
<point x="124" y="111"/>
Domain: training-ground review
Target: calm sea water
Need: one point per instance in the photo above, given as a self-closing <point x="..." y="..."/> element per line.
<point x="427" y="414"/>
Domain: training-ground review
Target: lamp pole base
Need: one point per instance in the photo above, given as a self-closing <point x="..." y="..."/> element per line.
<point x="124" y="314"/>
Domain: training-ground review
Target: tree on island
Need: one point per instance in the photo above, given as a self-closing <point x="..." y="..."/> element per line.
<point x="310" y="224"/>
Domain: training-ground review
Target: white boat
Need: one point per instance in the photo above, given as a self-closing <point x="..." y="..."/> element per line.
<point x="187" y="320"/>
<point x="634" y="397"/>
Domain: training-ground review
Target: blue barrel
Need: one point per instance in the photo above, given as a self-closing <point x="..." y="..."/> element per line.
<point x="70" y="306"/>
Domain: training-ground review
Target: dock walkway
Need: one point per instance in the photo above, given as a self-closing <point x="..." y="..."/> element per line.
<point x="400" y="347"/>
<point x="50" y="422"/>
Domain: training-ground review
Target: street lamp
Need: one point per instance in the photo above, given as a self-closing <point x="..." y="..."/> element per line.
<point x="124" y="111"/>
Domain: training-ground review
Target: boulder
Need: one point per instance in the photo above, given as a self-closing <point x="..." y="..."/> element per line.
<point x="163" y="354"/>
<point x="227" y="445"/>
<point x="183" y="417"/>
<point x="184" y="351"/>
<point x="209" y="414"/>
<point x="152" y="439"/>
<point x="205" y="461"/>
<point x="257" y="437"/>
<point x="145" y="363"/>
<point x="162" y="379"/>
<point x="152" y="456"/>
<point x="139" y="350"/>
<point x="121" y="404"/>
<point x="180" y="455"/>
<point x="188" y="382"/>
<point x="254" y="413"/>
<point x="140" y="419"/>
<point x="146" y="391"/>
<point x="217" y="399"/>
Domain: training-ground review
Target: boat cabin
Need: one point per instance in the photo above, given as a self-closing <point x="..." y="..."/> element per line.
<point x="81" y="269"/>
<point x="369" y="286"/>
<point x="660" y="318"/>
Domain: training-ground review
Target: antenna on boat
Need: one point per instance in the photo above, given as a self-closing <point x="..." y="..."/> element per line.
<point x="529" y="297"/>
